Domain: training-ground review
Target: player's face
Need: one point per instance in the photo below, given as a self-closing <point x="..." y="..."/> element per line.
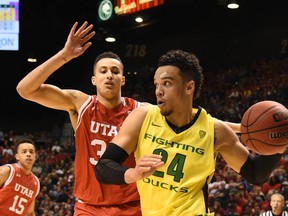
<point x="26" y="155"/>
<point x="108" y="78"/>
<point x="169" y="89"/>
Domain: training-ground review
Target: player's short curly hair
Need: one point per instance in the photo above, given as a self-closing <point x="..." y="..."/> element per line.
<point x="26" y="140"/>
<point x="188" y="64"/>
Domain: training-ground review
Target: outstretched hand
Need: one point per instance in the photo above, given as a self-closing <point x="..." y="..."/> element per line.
<point x="145" y="167"/>
<point x="77" y="41"/>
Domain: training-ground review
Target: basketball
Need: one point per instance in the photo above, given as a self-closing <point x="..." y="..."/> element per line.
<point x="264" y="128"/>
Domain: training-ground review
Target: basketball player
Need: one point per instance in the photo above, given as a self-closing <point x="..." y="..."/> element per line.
<point x="277" y="204"/>
<point x="18" y="185"/>
<point x="176" y="145"/>
<point x="95" y="119"/>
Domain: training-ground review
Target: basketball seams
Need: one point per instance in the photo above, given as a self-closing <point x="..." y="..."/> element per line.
<point x="259" y="116"/>
<point x="266" y="143"/>
<point x="264" y="128"/>
<point x="260" y="130"/>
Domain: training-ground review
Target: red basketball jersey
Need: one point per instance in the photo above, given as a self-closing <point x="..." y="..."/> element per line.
<point x="18" y="192"/>
<point x="96" y="127"/>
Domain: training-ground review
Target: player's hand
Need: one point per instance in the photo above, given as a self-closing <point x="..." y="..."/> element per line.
<point x="78" y="41"/>
<point x="145" y="167"/>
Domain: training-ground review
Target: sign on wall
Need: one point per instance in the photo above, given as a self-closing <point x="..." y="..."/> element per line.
<point x="9" y="24"/>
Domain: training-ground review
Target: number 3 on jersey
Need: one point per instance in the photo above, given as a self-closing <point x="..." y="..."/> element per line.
<point x="102" y="147"/>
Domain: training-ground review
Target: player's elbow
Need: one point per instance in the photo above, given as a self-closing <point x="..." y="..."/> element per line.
<point x="22" y="90"/>
<point x="98" y="169"/>
<point x="108" y="171"/>
<point x="25" y="91"/>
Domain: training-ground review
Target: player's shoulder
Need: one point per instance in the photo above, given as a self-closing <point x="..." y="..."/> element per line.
<point x="5" y="168"/>
<point x="139" y="105"/>
<point x="141" y="111"/>
<point x="4" y="173"/>
<point x="130" y="99"/>
<point x="219" y="124"/>
<point x="79" y="95"/>
<point x="145" y="105"/>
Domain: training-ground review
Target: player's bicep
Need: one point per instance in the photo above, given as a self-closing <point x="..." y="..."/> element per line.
<point x="53" y="97"/>
<point x="127" y="137"/>
<point x="231" y="149"/>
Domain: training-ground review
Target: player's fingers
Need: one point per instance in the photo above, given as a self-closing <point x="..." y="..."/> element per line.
<point x="88" y="37"/>
<point x="86" y="46"/>
<point x="72" y="31"/>
<point x="158" y="164"/>
<point x="149" y="160"/>
<point x="85" y="31"/>
<point x="152" y="157"/>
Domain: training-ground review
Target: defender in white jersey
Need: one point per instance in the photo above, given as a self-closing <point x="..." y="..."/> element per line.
<point x="176" y="145"/>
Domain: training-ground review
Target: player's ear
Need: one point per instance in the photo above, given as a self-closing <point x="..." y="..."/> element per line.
<point x="16" y="156"/>
<point x="123" y="81"/>
<point x="93" y="80"/>
<point x="190" y="87"/>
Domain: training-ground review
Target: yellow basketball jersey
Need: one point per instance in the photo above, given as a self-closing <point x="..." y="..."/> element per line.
<point x="181" y="185"/>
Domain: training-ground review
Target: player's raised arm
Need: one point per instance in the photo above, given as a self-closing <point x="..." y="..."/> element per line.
<point x="32" y="86"/>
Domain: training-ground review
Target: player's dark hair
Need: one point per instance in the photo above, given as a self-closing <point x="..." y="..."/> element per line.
<point x="188" y="64"/>
<point x="108" y="55"/>
<point x="26" y="140"/>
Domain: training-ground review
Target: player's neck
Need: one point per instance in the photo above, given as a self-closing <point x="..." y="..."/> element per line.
<point x="109" y="103"/>
<point x="26" y="170"/>
<point x="181" y="117"/>
<point x="179" y="129"/>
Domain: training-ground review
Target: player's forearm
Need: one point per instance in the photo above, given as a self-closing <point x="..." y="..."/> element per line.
<point x="130" y="176"/>
<point x="32" y="81"/>
<point x="257" y="169"/>
<point x="109" y="170"/>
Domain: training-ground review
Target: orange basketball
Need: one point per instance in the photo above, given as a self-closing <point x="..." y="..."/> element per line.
<point x="264" y="128"/>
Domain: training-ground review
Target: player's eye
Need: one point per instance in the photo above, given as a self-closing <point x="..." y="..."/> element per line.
<point x="103" y="71"/>
<point x="166" y="83"/>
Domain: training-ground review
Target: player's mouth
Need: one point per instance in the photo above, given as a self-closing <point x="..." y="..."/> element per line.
<point x="160" y="103"/>
<point x="109" y="84"/>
